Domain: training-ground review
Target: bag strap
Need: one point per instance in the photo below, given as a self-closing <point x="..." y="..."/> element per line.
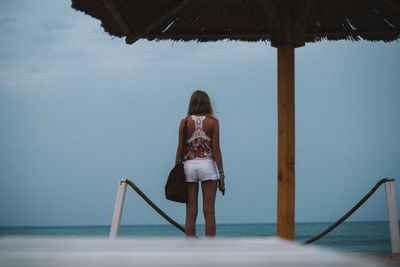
<point x="183" y="140"/>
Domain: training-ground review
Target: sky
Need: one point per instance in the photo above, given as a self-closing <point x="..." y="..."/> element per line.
<point x="80" y="110"/>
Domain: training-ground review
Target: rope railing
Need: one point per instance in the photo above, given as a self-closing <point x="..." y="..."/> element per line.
<point x="389" y="195"/>
<point x="154" y="206"/>
<point x="350" y="212"/>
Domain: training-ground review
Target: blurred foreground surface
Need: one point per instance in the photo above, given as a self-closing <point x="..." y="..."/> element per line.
<point x="348" y="237"/>
<point x="61" y="251"/>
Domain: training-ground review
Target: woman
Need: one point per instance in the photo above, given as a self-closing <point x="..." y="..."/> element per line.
<point x="201" y="153"/>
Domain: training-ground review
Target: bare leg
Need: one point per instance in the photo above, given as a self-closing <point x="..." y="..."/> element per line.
<point x="209" y="189"/>
<point x="191" y="209"/>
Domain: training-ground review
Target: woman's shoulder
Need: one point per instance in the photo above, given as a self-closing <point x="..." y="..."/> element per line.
<point x="189" y="120"/>
<point x="182" y="122"/>
<point x="185" y="118"/>
<point x="212" y="119"/>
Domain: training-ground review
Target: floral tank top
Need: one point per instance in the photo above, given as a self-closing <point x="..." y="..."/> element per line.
<point x="199" y="145"/>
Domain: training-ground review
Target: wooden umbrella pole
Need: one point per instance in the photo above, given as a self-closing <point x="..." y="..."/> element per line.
<point x="286" y="150"/>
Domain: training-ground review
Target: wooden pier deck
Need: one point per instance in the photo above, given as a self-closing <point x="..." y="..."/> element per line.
<point x="25" y="251"/>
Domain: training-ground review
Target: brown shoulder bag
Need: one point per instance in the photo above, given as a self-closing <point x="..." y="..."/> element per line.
<point x="175" y="188"/>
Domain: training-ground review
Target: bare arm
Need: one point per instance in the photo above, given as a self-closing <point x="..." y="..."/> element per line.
<point x="178" y="151"/>
<point x="216" y="148"/>
<point x="218" y="158"/>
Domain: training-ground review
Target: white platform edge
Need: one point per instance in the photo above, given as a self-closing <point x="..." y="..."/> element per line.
<point x="169" y="252"/>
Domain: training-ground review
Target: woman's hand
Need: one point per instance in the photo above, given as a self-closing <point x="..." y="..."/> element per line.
<point x="221" y="185"/>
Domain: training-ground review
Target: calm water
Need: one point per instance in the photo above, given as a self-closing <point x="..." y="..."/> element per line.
<point x="349" y="236"/>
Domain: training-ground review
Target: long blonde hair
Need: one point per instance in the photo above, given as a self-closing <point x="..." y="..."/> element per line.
<point x="200" y="104"/>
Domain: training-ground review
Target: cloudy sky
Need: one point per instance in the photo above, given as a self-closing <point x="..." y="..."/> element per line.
<point x="80" y="110"/>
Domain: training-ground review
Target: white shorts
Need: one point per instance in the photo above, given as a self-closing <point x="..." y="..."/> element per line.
<point x="200" y="169"/>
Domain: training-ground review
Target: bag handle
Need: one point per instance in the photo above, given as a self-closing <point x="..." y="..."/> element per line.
<point x="183" y="140"/>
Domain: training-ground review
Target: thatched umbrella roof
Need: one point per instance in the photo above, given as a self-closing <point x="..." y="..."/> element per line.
<point x="278" y="21"/>
<point x="285" y="23"/>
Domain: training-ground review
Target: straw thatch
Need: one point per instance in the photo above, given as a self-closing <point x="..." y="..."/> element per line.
<point x="279" y="21"/>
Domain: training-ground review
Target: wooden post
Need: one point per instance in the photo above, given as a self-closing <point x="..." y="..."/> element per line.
<point x="286" y="151"/>
<point x="119" y="203"/>
<point x="393" y="221"/>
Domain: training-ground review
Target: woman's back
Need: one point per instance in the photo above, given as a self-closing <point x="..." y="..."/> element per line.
<point x="199" y="134"/>
<point x="208" y="126"/>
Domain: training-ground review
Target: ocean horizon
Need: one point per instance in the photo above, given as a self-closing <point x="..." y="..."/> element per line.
<point x="372" y="236"/>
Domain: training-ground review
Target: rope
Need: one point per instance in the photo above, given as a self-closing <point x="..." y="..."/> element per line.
<point x="315" y="238"/>
<point x="154" y="206"/>
<point x="333" y="226"/>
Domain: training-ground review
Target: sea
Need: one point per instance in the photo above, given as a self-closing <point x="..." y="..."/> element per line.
<point x="348" y="236"/>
